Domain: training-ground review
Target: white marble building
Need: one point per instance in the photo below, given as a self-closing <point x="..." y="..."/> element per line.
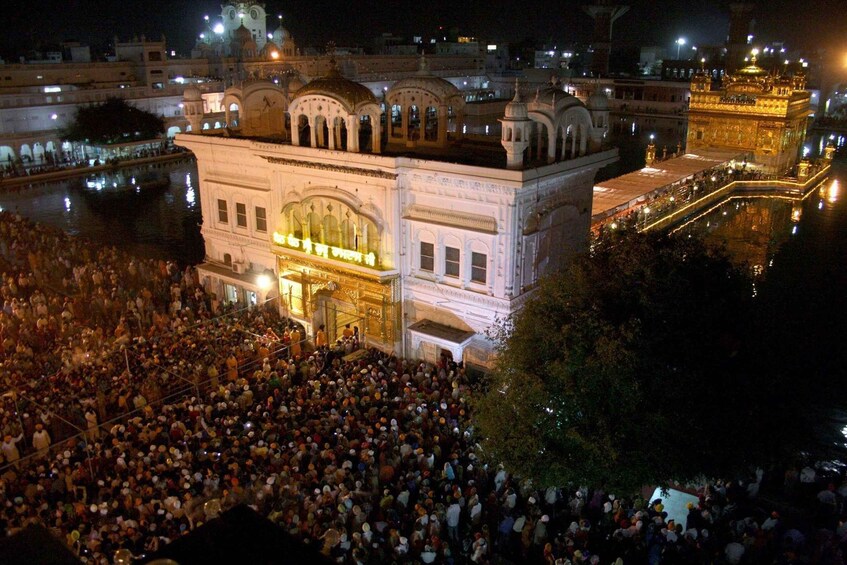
<point x="420" y="237"/>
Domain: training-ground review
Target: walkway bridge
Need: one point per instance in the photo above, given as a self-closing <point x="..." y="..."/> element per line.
<point x="659" y="196"/>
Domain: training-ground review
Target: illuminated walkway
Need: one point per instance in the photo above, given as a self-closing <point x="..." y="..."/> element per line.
<point x="658" y="196"/>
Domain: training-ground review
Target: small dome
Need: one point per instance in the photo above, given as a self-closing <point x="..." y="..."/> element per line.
<point x="294" y="84"/>
<point x="271" y="51"/>
<point x="752" y="71"/>
<point x="280" y="35"/>
<point x="192" y="94"/>
<point x="598" y="100"/>
<point x="554" y="97"/>
<point x="242" y="34"/>
<point x="437" y="86"/>
<point x="549" y="95"/>
<point x="516" y="109"/>
<point x="333" y="85"/>
<point x="426" y="81"/>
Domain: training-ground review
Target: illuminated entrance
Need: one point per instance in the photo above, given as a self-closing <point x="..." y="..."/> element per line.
<point x="337" y="316"/>
<point x="318" y="292"/>
<point x="331" y="268"/>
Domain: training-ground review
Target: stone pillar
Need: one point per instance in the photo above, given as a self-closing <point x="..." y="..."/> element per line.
<point x="583" y="141"/>
<point x="357" y="235"/>
<point x="295" y="131"/>
<point x="376" y="133"/>
<point x="404" y="121"/>
<point x="596" y="138"/>
<point x="333" y="133"/>
<point x="538" y="141"/>
<point x="564" y="151"/>
<point x="313" y="135"/>
<point x="422" y="134"/>
<point x="551" y="146"/>
<point x="352" y="123"/>
<point x="442" y="125"/>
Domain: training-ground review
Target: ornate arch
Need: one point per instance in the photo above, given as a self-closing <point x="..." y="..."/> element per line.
<point x="579" y="119"/>
<point x="330" y="217"/>
<point x="550" y="122"/>
<point x="232" y="96"/>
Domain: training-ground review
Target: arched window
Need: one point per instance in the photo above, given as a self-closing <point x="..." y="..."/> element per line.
<point x="396" y="121"/>
<point x="414" y="123"/>
<point x="315" y="228"/>
<point x="331" y="231"/>
<point x="370" y="237"/>
<point x="339" y="131"/>
<point x="348" y="234"/>
<point x="321" y="133"/>
<point x="365" y="134"/>
<point x="304" y="130"/>
<point x="293" y="221"/>
<point x="233" y="115"/>
<point x="539" y="141"/>
<point x="431" y="133"/>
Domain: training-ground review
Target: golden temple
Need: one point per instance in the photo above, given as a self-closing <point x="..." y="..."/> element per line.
<point x="751" y="110"/>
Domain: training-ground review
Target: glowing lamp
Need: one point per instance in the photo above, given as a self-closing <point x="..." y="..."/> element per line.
<point x="264" y="282"/>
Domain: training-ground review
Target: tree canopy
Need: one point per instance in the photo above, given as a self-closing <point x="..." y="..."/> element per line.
<point x="113" y="121"/>
<point x="631" y="369"/>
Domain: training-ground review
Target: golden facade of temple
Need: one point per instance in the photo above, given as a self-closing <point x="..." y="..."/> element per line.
<point x="752" y="110"/>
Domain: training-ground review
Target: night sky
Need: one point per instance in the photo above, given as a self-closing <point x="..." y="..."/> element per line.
<point x="806" y="24"/>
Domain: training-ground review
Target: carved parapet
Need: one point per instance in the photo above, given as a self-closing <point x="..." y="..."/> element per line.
<point x="467" y="220"/>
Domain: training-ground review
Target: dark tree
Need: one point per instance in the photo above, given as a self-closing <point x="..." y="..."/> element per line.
<point x="630" y="369"/>
<point x="113" y="121"/>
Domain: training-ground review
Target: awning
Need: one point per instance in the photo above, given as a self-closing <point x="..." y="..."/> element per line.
<point x="442" y="335"/>
<point x="225" y="273"/>
<point x="623" y="192"/>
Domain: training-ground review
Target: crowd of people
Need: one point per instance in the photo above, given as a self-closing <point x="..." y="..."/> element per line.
<point x="138" y="407"/>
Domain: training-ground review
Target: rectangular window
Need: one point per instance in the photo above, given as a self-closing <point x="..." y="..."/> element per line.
<point x="479" y="266"/>
<point x="261" y="219"/>
<point x="223" y="217"/>
<point x="427" y="257"/>
<point x="451" y="262"/>
<point x="241" y="215"/>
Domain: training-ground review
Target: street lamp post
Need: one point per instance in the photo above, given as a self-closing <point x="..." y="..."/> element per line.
<point x="679" y="43"/>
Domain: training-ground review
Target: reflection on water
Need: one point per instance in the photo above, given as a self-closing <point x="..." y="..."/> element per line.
<point x="761" y="230"/>
<point x="155" y="216"/>
<point x="752" y="229"/>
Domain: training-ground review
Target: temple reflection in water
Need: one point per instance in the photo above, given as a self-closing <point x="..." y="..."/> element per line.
<point x="754" y="228"/>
